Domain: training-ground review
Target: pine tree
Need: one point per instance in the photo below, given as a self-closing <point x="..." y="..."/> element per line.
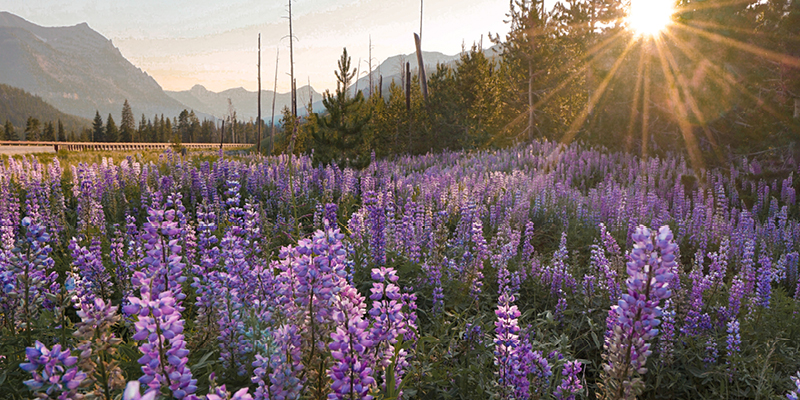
<point x="128" y="125"/>
<point x="167" y="129"/>
<point x="8" y="132"/>
<point x="112" y="132"/>
<point x="341" y="134"/>
<point x="62" y="136"/>
<point x="142" y="135"/>
<point x="98" y="130"/>
<point x="49" y="133"/>
<point x="32" y="130"/>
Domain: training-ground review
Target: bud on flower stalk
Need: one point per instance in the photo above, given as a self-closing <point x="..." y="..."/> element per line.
<point x="636" y="315"/>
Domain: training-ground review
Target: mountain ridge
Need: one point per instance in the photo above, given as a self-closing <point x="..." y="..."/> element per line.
<point x="77" y="70"/>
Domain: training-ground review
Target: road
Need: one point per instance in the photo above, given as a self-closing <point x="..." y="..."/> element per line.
<point x="14" y="150"/>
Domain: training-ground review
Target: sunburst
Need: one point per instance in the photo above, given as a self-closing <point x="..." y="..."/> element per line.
<point x="650" y="17"/>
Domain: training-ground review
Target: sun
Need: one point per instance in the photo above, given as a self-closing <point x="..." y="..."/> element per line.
<point x="650" y="17"/>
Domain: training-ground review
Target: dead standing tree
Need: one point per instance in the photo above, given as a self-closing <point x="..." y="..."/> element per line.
<point x="274" y="96"/>
<point x="258" y="141"/>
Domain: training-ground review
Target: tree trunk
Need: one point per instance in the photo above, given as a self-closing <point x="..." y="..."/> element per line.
<point x="274" y="94"/>
<point x="408" y="86"/>
<point x="258" y="144"/>
<point x="423" y="81"/>
<point x="222" y="134"/>
<point x="797" y="108"/>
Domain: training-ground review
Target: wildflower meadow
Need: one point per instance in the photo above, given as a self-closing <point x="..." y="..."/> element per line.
<point x="541" y="271"/>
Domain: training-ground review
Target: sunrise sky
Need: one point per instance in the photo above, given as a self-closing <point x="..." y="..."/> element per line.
<point x="186" y="42"/>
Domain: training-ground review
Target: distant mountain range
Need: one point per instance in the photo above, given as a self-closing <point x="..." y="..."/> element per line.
<point x="244" y="101"/>
<point x="246" y="104"/>
<point x="77" y="70"/>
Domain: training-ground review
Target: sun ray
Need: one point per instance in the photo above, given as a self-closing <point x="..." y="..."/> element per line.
<point x="650" y="17"/>
<point x="588" y="58"/>
<point x="701" y="6"/>
<point x="684" y="85"/>
<point x="646" y="109"/>
<point x="634" y="104"/>
<point x="678" y="106"/>
<point x="572" y="131"/>
<point x="723" y="77"/>
<point x="753" y="49"/>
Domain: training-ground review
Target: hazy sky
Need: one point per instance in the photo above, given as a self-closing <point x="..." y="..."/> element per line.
<point x="186" y="42"/>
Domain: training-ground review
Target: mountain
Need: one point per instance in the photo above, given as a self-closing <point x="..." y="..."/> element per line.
<point x="16" y="105"/>
<point x="77" y="70"/>
<point x="244" y="102"/>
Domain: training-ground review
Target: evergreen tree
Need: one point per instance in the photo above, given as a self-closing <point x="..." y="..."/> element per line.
<point x="112" y="132"/>
<point x="142" y="134"/>
<point x="194" y="127"/>
<point x="127" y="126"/>
<point x="341" y="136"/>
<point x="183" y="126"/>
<point x="8" y="132"/>
<point x="166" y="127"/>
<point x="49" y="132"/>
<point x="98" y="130"/>
<point x="32" y="130"/>
<point x="62" y="136"/>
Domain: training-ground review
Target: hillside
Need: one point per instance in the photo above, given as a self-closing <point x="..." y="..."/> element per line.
<point x="77" y="70"/>
<point x="16" y="105"/>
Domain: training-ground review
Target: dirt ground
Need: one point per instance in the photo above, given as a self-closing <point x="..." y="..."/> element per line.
<point x="14" y="150"/>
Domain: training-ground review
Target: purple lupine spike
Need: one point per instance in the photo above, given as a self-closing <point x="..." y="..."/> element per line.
<point x="570" y="383"/>
<point x="636" y="314"/>
<point x="389" y="322"/>
<point x="54" y="371"/>
<point x="286" y="364"/>
<point x="507" y="352"/>
<point x="350" y="373"/>
<point x="479" y="254"/>
<point x="764" y="286"/>
<point x="377" y="227"/>
<point x="733" y="341"/>
<point x="795" y="392"/>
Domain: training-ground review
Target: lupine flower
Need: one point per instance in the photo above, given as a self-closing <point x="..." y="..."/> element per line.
<point x="638" y="311"/>
<point x="570" y="383"/>
<point x="132" y="392"/>
<point x="55" y="374"/>
<point x="388" y="320"/>
<point x="99" y="345"/>
<point x="286" y="364"/>
<point x="764" y="287"/>
<point x="377" y="227"/>
<point x="350" y="374"/>
<point x="734" y="340"/>
<point x="508" y="351"/>
<point x="711" y="352"/>
<point x="794" y="393"/>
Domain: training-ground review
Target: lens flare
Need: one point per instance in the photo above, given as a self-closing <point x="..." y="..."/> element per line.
<point x="650" y="17"/>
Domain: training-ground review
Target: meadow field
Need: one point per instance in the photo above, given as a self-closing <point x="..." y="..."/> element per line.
<point x="541" y="271"/>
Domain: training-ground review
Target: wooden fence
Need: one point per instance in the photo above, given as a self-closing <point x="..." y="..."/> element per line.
<point x="80" y="146"/>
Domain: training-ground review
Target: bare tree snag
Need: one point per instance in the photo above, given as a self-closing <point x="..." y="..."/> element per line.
<point x="258" y="121"/>
<point x="423" y="82"/>
<point x="274" y="95"/>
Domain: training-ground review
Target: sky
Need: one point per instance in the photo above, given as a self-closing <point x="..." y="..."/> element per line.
<point x="182" y="43"/>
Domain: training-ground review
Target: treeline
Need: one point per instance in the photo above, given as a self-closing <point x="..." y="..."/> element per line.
<point x="721" y="80"/>
<point x="185" y="128"/>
